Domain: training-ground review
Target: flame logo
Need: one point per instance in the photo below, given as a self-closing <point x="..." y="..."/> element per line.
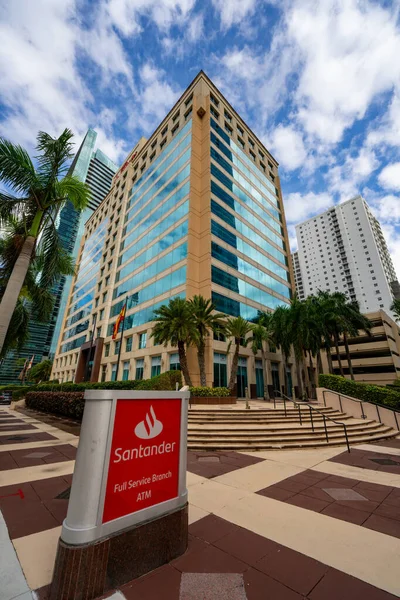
<point x="150" y="427"/>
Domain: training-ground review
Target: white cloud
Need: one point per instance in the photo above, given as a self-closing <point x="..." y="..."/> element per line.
<point x="299" y="207"/>
<point x="346" y="179"/>
<point x="389" y="177"/>
<point x="288" y="147"/>
<point x="233" y="12"/>
<point x="386" y="209"/>
<point x="347" y="49"/>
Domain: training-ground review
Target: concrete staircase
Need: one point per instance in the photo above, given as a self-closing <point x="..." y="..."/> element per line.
<point x="235" y="428"/>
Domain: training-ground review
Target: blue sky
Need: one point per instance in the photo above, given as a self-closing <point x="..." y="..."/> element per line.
<point x="318" y="81"/>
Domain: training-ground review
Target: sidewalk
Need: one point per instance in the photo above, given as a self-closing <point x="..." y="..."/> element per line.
<point x="317" y="524"/>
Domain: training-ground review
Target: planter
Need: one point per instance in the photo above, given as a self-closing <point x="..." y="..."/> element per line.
<point x="212" y="400"/>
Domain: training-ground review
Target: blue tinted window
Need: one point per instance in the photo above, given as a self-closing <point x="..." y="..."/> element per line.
<point x="77" y="329"/>
<point x="80" y="315"/>
<point x="152" y="270"/>
<point x="248" y="269"/>
<point x="72" y="345"/>
<point x="157" y="288"/>
<point x="159" y="178"/>
<point x="246" y="231"/>
<point x="154" y="250"/>
<point x="154" y="166"/>
<point x="234" y="308"/>
<point x="243" y="157"/>
<point x="244" y="288"/>
<point x="233" y="187"/>
<point x="233" y="204"/>
<point x="247" y="250"/>
<point x="162" y="210"/>
<point x="171" y="187"/>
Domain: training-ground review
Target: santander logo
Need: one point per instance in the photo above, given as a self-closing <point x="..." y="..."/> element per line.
<point x="150" y="427"/>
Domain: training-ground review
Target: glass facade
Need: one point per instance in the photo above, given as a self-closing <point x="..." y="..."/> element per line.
<point x="245" y="268"/>
<point x="242" y="377"/>
<point x="155" y="366"/>
<point x="220" y="370"/>
<point x="125" y="371"/>
<point x="174" y="364"/>
<point x="259" y="379"/>
<point x="139" y="368"/>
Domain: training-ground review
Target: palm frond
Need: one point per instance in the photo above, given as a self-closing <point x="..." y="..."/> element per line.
<point x="17" y="333"/>
<point x="55" y="153"/>
<point x="74" y="190"/>
<point x="52" y="260"/>
<point x="16" y="168"/>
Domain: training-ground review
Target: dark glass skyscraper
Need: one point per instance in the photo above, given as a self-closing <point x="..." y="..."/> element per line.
<point x="97" y="170"/>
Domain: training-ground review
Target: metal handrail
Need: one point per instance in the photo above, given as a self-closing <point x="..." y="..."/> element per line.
<point x="311" y="408"/>
<point x="363" y="415"/>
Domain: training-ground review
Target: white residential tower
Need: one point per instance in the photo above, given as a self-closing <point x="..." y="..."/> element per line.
<point x="344" y="250"/>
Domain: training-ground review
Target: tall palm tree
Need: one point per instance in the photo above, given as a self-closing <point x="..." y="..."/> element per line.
<point x="205" y="321"/>
<point x="351" y="322"/>
<point x="237" y="328"/>
<point x="395" y="308"/>
<point x="175" y="325"/>
<point x="33" y="301"/>
<point x="37" y="195"/>
<point x="263" y="335"/>
<point x="282" y="328"/>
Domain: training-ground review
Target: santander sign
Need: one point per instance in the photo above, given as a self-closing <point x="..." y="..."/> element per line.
<point x="144" y="458"/>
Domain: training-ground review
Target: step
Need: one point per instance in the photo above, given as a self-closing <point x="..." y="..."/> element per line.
<point x="278" y="432"/>
<point x="298" y="435"/>
<point x="276" y="445"/>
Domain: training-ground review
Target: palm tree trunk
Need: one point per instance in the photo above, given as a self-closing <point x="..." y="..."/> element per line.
<point x="235" y="360"/>
<point x="14" y="285"/>
<point x="299" y="378"/>
<point x="306" y="376"/>
<point x="202" y="363"/>
<point x="183" y="363"/>
<point x="346" y="345"/>
<point x="338" y="354"/>
<point x="265" y="374"/>
<point x="329" y="357"/>
<point x="312" y="375"/>
<point x="320" y="368"/>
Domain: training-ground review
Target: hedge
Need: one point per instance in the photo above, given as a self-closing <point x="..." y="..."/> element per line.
<point x="362" y="391"/>
<point x="164" y="381"/>
<point x="69" y="402"/>
<point x="217" y="392"/>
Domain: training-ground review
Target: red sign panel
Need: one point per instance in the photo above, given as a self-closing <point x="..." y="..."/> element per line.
<point x="144" y="460"/>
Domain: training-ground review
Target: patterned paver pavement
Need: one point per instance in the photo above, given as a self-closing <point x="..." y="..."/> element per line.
<point x="315" y="524"/>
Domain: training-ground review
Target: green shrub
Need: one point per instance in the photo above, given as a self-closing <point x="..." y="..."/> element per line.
<point x="65" y="404"/>
<point x="362" y="391"/>
<point x="18" y="391"/>
<point x="67" y="399"/>
<point x="217" y="392"/>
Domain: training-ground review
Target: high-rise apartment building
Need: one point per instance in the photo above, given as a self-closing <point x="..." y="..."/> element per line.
<point x="97" y="171"/>
<point x="195" y="209"/>
<point x="344" y="250"/>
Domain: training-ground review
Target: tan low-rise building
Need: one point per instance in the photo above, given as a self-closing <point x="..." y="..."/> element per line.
<point x="195" y="209"/>
<point x="375" y="358"/>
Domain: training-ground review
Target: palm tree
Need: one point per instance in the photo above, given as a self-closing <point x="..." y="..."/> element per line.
<point x="236" y="328"/>
<point x="205" y="320"/>
<point x="395" y="308"/>
<point x="175" y="325"/>
<point x="33" y="301"/>
<point x="282" y="328"/>
<point x="351" y="322"/>
<point x="263" y="334"/>
<point x="41" y="193"/>
<point x="41" y="371"/>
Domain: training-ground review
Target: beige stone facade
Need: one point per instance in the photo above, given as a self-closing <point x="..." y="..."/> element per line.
<point x="130" y="239"/>
<point x="375" y="358"/>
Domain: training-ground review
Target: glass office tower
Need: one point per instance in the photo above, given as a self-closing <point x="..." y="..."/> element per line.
<point x="195" y="209"/>
<point x="97" y="170"/>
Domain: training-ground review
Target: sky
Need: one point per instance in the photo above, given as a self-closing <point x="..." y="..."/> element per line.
<point x="318" y="81"/>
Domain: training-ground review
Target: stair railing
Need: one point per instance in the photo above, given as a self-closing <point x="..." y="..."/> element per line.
<point x="395" y="411"/>
<point x="311" y="409"/>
